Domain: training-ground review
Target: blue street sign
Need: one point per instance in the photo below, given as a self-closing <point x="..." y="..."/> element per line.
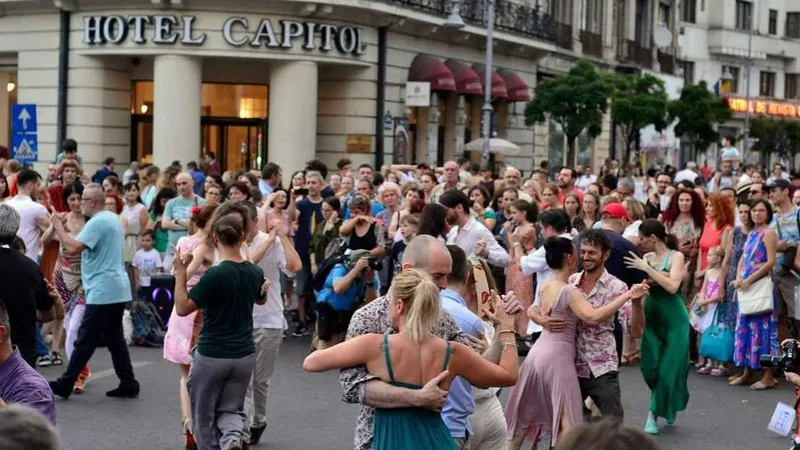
<point x="25" y="148"/>
<point x="23" y="119"/>
<point x="24" y="133"/>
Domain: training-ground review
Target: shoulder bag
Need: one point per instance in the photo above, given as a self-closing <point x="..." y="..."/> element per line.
<point x="756" y="299"/>
<point x="717" y="342"/>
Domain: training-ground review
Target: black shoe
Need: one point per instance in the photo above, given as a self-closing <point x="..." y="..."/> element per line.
<point x="255" y="434"/>
<point x="60" y="390"/>
<point x="130" y="391"/>
<point x="300" y="330"/>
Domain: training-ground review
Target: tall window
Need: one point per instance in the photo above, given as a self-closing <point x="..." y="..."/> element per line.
<point x="792" y="25"/>
<point x="664" y="16"/>
<point x="744" y="10"/>
<point x="689" y="11"/>
<point x="642" y="29"/>
<point x="592" y="16"/>
<point x="767" y="84"/>
<point x="773" y="21"/>
<point x="688" y="72"/>
<point x="790" y="85"/>
<point x="734" y="71"/>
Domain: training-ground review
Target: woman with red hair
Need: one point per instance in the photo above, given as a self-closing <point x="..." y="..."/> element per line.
<point x="685" y="218"/>
<point x="720" y="219"/>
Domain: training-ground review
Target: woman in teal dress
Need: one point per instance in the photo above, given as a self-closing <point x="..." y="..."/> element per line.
<point x="665" y="343"/>
<point x="414" y="356"/>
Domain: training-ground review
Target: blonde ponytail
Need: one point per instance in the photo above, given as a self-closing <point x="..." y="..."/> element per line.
<point x="415" y="288"/>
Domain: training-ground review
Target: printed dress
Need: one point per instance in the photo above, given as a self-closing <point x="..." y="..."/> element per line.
<point x="756" y="335"/>
<point x="726" y="310"/>
<point x="180" y="329"/>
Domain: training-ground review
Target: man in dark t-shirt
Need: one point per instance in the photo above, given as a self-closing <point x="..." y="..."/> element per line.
<point x="309" y="214"/>
<point x="24" y="290"/>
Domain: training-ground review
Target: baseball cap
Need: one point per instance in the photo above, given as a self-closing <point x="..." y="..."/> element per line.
<point x="779" y="183"/>
<point x="355" y="255"/>
<point x="615" y="211"/>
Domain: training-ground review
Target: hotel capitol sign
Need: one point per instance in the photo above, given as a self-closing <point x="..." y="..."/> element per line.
<point x="172" y="30"/>
<point x="764" y="107"/>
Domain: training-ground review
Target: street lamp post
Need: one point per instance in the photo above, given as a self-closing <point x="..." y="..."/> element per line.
<point x="745" y="149"/>
<point x="455" y="21"/>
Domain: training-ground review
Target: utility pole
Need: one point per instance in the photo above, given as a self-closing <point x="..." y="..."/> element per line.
<point x="748" y="69"/>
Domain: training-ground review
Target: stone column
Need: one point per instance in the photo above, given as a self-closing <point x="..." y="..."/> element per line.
<point x="293" y="114"/>
<point x="177" y="98"/>
<point x="5" y="111"/>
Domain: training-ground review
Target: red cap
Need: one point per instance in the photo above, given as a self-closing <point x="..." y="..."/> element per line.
<point x="615" y="211"/>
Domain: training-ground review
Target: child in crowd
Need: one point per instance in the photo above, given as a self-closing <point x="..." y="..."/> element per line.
<point x="409" y="226"/>
<point x="146" y="262"/>
<point x="706" y="304"/>
<point x="729" y="152"/>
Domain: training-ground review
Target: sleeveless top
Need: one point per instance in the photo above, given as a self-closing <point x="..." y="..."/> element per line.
<point x="410" y="428"/>
<point x="133" y="228"/>
<point x="366" y="242"/>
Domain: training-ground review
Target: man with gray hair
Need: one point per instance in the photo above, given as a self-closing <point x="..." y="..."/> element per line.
<point x="430" y="255"/>
<point x="19" y="382"/>
<point x="105" y="281"/>
<point x="178" y="214"/>
<point x="626" y="188"/>
<point x="22" y="428"/>
<point x="689" y="173"/>
<point x="24" y="289"/>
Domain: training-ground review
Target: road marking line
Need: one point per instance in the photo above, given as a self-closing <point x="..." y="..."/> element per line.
<point x="109" y="372"/>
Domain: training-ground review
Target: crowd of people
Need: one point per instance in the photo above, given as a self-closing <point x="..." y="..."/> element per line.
<point x="422" y="284"/>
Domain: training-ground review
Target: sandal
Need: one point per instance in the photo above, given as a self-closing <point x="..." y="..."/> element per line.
<point x="760" y="386"/>
<point x="718" y="372"/>
<point x="740" y="381"/>
<point x="705" y="370"/>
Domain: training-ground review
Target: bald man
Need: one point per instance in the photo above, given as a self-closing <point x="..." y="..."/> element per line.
<point x="512" y="179"/>
<point x="450" y="181"/>
<point x="177" y="214"/>
<point x="430" y="255"/>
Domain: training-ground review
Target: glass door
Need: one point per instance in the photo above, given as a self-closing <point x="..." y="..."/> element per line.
<point x="239" y="144"/>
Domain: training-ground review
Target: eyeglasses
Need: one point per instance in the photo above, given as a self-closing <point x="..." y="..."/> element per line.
<point x="87" y="199"/>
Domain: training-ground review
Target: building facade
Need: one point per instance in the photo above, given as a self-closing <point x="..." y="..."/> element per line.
<point x="720" y="37"/>
<point x="289" y="81"/>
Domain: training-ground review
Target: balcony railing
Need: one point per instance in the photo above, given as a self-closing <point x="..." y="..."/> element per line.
<point x="633" y="52"/>
<point x="667" y="62"/>
<point x="592" y="44"/>
<point x="510" y="17"/>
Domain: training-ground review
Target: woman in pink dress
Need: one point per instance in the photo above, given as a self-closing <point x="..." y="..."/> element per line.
<point x="178" y="340"/>
<point x="521" y="238"/>
<point x="547" y="397"/>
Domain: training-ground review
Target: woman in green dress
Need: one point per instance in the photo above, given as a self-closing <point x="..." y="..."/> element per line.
<point x="665" y="343"/>
<point x="413" y="357"/>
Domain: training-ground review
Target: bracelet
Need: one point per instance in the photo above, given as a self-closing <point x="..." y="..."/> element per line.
<point x="507" y="345"/>
<point x="506" y="331"/>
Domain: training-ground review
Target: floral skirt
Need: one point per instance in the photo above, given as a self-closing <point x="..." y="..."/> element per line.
<point x="755" y="336"/>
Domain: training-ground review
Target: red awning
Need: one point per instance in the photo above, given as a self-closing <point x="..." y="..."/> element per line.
<point x="467" y="81"/>
<point x="516" y="86"/>
<point x="498" y="85"/>
<point x="427" y="68"/>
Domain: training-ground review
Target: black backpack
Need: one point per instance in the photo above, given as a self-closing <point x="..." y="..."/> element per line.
<point x="148" y="328"/>
<point x="328" y="264"/>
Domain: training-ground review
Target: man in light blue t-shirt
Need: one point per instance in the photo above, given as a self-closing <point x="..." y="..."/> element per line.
<point x="107" y="287"/>
<point x="178" y="213"/>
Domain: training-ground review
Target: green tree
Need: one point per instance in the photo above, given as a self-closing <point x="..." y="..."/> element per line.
<point x="576" y="100"/>
<point x="780" y="136"/>
<point x="697" y="111"/>
<point x="639" y="100"/>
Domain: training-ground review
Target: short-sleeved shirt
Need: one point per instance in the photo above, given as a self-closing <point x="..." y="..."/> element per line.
<point x="103" y="260"/>
<point x="226" y="294"/>
<point x="309" y="216"/>
<point x="147" y="263"/>
<point x="23" y="293"/>
<point x="785" y="226"/>
<point x="346" y="301"/>
<point x="270" y="314"/>
<point x="29" y="214"/>
<point x="21" y="383"/>
<point x="179" y="208"/>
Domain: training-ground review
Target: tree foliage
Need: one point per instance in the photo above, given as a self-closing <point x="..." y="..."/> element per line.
<point x="697" y="111"/>
<point x="639" y="100"/>
<point x="576" y="101"/>
<point x="775" y="135"/>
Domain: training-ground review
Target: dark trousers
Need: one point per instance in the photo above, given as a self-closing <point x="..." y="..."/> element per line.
<point x="101" y="323"/>
<point x="605" y="392"/>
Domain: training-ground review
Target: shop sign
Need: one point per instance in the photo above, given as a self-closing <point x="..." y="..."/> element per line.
<point x="171" y="30"/>
<point x="418" y="93"/>
<point x="764" y="107"/>
<point x="359" y="143"/>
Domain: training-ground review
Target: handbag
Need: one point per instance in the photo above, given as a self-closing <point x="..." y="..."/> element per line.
<point x="716" y="342"/>
<point x="702" y="317"/>
<point x="756" y="299"/>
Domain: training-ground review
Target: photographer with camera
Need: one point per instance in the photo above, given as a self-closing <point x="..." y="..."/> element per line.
<point x="349" y="283"/>
<point x="786" y="363"/>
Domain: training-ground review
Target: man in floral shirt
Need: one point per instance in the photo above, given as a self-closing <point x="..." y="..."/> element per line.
<point x="596" y="351"/>
<point x="359" y="386"/>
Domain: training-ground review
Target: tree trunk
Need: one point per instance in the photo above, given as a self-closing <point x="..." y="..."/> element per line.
<point x="572" y="154"/>
<point x="637" y="159"/>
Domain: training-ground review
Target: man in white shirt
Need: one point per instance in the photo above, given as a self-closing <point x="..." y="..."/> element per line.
<point x="469" y="234"/>
<point x="586" y="178"/>
<point x="450" y="181"/>
<point x="689" y="173"/>
<point x="555" y="222"/>
<point x="33" y="216"/>
<point x="274" y="253"/>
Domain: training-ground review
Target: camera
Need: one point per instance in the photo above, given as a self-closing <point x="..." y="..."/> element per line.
<point x="785" y="362"/>
<point x="375" y="264"/>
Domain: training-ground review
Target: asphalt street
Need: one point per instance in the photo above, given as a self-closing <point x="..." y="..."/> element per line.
<point x="306" y="411"/>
